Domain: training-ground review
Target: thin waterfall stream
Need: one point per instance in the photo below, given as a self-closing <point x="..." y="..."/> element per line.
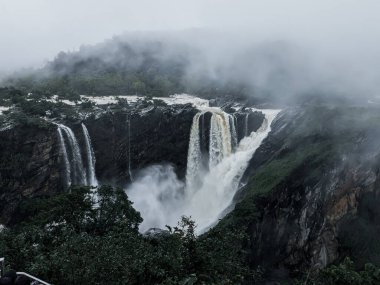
<point x="91" y="160"/>
<point x="63" y="152"/>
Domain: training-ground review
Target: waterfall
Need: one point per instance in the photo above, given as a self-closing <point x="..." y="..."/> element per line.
<point x="208" y="193"/>
<point x="233" y="131"/>
<point x="63" y="152"/>
<point x="207" y="203"/>
<point x="220" y="138"/>
<point x="91" y="175"/>
<point x="129" y="149"/>
<point x="246" y="124"/>
<point x="194" y="155"/>
<point x="220" y="144"/>
<point x="72" y="156"/>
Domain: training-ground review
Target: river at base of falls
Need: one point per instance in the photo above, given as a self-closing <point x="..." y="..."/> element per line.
<point x="162" y="198"/>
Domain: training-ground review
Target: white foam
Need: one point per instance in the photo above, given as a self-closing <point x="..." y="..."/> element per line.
<point x="180" y="99"/>
<point x="55" y="99"/>
<point x="175" y="99"/>
<point x="162" y="199"/>
<point x="2" y="109"/>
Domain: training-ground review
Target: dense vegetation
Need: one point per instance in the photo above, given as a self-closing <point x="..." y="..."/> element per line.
<point x="71" y="239"/>
<point x="345" y="273"/>
<point x="28" y="108"/>
<point x="122" y="66"/>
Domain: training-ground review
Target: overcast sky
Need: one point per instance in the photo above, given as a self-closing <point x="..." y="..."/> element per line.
<point x="33" y="31"/>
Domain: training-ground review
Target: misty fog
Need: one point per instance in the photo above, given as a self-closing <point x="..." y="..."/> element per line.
<point x="278" y="47"/>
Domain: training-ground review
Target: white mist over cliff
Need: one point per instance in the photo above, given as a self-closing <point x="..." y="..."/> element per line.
<point x="274" y="47"/>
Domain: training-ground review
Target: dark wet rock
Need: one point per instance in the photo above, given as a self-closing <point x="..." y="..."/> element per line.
<point x="247" y="122"/>
<point x="134" y="140"/>
<point x="125" y="140"/>
<point x="22" y="280"/>
<point x="10" y="275"/>
<point x="318" y="202"/>
<point x="29" y="166"/>
<point x="6" y="281"/>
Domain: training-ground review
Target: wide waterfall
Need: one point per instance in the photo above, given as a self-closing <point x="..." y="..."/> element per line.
<point x="75" y="172"/>
<point x="222" y="140"/>
<point x="220" y="183"/>
<point x="210" y="187"/>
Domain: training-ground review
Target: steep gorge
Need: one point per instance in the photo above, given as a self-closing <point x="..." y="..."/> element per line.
<point x="214" y="170"/>
<point x="308" y="197"/>
<point x="312" y="191"/>
<point x="122" y="142"/>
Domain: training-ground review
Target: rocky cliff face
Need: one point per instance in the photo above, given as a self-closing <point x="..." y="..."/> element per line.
<point x="29" y="166"/>
<point x="124" y="142"/>
<point x="125" y="139"/>
<point x="313" y="190"/>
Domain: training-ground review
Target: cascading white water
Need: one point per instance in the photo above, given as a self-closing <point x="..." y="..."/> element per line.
<point x="220" y="138"/>
<point x="220" y="144"/>
<point x="246" y="124"/>
<point x="221" y="182"/>
<point x="207" y="193"/>
<point x="91" y="160"/>
<point x="65" y="158"/>
<point x="194" y="155"/>
<point x="233" y="131"/>
<point x="72" y="157"/>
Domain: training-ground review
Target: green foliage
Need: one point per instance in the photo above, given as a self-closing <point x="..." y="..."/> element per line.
<point x="30" y="108"/>
<point x="224" y="257"/>
<point x="100" y="81"/>
<point x="345" y="273"/>
<point x="72" y="238"/>
<point x="9" y="96"/>
<point x="86" y="104"/>
<point x="130" y="69"/>
<point x="111" y="213"/>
